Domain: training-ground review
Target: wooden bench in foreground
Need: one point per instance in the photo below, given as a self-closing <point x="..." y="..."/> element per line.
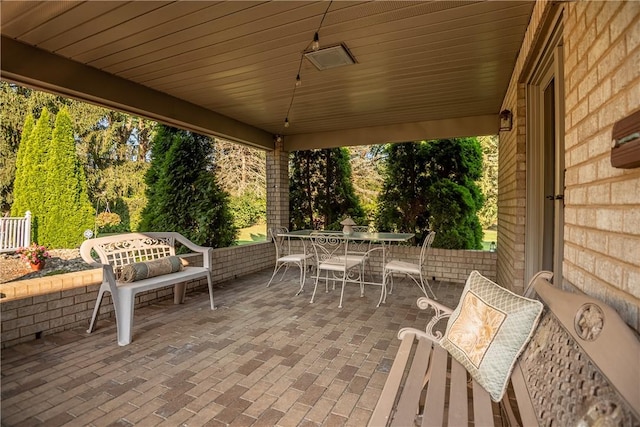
<point x="118" y="251"/>
<point x="580" y="368"/>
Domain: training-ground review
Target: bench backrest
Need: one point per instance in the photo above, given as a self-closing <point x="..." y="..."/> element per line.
<point x="581" y="366"/>
<point x="124" y="249"/>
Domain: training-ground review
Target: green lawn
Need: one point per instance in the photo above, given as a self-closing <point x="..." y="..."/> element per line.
<point x="256" y="233"/>
<point x="489" y="236"/>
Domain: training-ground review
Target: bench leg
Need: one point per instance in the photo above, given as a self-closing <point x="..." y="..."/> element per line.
<point x="210" y="283"/>
<point x="124" y="316"/>
<point x="101" y="292"/>
<point x="179" y="293"/>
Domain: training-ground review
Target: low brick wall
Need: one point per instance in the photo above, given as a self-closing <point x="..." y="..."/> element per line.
<point x="36" y="307"/>
<point x="448" y="265"/>
<point x="43" y="306"/>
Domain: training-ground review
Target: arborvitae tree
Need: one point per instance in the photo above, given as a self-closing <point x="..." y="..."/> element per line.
<point x="431" y="185"/>
<point x="320" y="191"/>
<point x="403" y="204"/>
<point x="455" y="198"/>
<point x="35" y="180"/>
<point x="182" y="190"/>
<point x="20" y="196"/>
<point x="68" y="211"/>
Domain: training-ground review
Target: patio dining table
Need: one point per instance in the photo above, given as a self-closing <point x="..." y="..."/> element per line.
<point x="385" y="239"/>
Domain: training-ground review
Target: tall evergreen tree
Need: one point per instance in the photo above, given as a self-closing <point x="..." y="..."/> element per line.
<point x="431" y="185"/>
<point x="455" y="198"/>
<point x="321" y="193"/>
<point x="34" y="176"/>
<point x="20" y="195"/>
<point x="182" y="190"/>
<point x="68" y="211"/>
<point x="403" y="204"/>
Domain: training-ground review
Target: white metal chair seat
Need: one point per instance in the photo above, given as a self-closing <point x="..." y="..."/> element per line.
<point x="332" y="255"/>
<point x="403" y="267"/>
<point x="412" y="270"/>
<point x="284" y="258"/>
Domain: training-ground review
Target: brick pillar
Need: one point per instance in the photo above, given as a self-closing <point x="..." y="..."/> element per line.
<point x="278" y="185"/>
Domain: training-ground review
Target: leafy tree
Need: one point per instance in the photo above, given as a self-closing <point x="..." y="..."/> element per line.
<point x="68" y="211"/>
<point x="113" y="147"/>
<point x="182" y="190"/>
<point x="488" y="215"/>
<point x="367" y="176"/>
<point x="241" y="171"/>
<point x="321" y="193"/>
<point x="431" y="185"/>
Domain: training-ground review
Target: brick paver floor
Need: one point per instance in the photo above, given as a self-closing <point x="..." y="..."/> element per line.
<point x="264" y="358"/>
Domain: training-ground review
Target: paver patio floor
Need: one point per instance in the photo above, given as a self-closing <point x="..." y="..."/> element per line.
<point x="265" y="357"/>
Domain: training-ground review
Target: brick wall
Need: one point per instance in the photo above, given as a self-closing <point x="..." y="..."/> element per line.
<point x="447" y="265"/>
<point x="602" y="211"/>
<point x="56" y="303"/>
<point x="512" y="190"/>
<point x="602" y="204"/>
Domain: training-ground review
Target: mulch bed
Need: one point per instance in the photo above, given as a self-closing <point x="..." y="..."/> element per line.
<point x="12" y="268"/>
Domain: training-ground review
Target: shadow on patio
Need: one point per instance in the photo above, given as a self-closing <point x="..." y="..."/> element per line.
<point x="264" y="357"/>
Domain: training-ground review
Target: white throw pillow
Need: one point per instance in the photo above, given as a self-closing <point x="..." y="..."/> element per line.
<point x="488" y="330"/>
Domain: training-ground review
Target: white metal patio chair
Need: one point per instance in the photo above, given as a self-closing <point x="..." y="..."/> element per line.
<point x="284" y="256"/>
<point x="332" y="255"/>
<point x="359" y="250"/>
<point x="414" y="271"/>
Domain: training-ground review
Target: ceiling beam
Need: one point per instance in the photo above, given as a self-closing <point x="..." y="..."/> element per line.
<point x="404" y="132"/>
<point x="42" y="70"/>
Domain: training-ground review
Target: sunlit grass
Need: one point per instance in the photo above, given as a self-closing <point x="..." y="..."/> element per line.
<point x="489" y="236"/>
<point x="253" y="234"/>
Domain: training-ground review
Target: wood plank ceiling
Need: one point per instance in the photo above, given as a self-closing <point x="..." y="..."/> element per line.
<point x="229" y="67"/>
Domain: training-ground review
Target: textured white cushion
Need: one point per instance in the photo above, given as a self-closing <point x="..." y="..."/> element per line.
<point x="488" y="330"/>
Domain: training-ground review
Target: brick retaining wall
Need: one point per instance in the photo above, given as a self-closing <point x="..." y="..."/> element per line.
<point x="47" y="305"/>
<point x="53" y="304"/>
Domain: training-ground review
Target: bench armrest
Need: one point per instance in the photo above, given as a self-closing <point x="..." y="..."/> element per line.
<point x="204" y="250"/>
<point x="402" y="333"/>
<point x="441" y="312"/>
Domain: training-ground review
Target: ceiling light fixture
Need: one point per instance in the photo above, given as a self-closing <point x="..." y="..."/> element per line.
<point x="330" y="57"/>
<point x="315" y="46"/>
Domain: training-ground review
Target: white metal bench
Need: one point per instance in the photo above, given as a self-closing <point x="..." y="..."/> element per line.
<point x="580" y="368"/>
<point x="120" y="250"/>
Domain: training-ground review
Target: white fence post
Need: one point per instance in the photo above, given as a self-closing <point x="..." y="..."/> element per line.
<point x="15" y="232"/>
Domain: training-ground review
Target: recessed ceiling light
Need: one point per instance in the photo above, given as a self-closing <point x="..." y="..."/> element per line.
<point x="330" y="57"/>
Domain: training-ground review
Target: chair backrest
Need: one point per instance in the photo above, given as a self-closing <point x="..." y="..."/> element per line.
<point x="360" y="228"/>
<point x="426" y="245"/>
<point x="328" y="246"/>
<point x="281" y="242"/>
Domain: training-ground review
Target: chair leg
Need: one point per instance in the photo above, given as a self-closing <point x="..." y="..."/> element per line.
<point x="96" y="309"/>
<point x="314" y="289"/>
<point x="303" y="276"/>
<point x="383" y="290"/>
<point x="428" y="286"/>
<point x="275" y="270"/>
<point x="344" y="280"/>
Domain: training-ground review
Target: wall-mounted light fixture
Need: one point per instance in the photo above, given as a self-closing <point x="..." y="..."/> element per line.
<point x="506" y="120"/>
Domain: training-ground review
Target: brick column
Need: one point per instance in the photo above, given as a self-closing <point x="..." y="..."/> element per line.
<point x="278" y="185"/>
